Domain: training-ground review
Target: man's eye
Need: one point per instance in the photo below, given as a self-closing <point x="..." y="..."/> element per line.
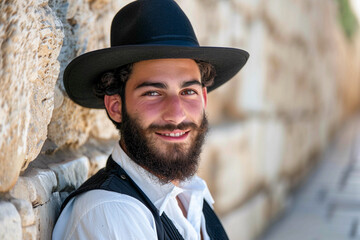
<point x="151" y="93"/>
<point x="188" y="92"/>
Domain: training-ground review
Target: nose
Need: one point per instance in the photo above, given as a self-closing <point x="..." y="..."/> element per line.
<point x="174" y="112"/>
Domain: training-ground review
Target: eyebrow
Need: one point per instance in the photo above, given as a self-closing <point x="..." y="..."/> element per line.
<point x="190" y="83"/>
<point x="164" y="86"/>
<point x="152" y="84"/>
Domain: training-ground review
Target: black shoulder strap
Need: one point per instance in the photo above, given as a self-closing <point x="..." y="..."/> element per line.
<point x="214" y="228"/>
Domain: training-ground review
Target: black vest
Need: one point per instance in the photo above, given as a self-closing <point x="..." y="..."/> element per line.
<point x="114" y="178"/>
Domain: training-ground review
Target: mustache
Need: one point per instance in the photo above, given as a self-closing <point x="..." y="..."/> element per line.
<point x="172" y="127"/>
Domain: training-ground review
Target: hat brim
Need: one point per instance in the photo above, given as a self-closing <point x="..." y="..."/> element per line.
<point x="84" y="71"/>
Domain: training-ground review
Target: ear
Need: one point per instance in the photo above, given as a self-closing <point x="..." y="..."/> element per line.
<point x="204" y="91"/>
<point x="113" y="106"/>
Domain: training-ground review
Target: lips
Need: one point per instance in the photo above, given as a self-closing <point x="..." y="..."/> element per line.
<point x="172" y="134"/>
<point x="177" y="134"/>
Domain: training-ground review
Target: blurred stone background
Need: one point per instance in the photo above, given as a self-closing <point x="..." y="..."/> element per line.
<point x="301" y="83"/>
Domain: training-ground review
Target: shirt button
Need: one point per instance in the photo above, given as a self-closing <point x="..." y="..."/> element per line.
<point x="123" y="176"/>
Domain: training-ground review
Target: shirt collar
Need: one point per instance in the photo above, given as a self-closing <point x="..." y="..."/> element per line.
<point x="159" y="193"/>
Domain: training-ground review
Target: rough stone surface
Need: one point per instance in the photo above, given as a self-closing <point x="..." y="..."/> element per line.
<point x="96" y="163"/>
<point x="44" y="181"/>
<point x="10" y="222"/>
<point x="30" y="39"/>
<point x="29" y="233"/>
<point x="46" y="215"/>
<point x="247" y="221"/>
<point x="25" y="210"/>
<point x="229" y="163"/>
<point x="277" y="193"/>
<point x="247" y="154"/>
<point x="300" y="83"/>
<point x="71" y="174"/>
<point x="84" y="28"/>
<point x="24" y="189"/>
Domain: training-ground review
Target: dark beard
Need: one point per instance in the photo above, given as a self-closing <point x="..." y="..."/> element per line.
<point x="177" y="163"/>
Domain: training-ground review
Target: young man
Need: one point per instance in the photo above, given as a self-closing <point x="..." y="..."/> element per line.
<point x="153" y="82"/>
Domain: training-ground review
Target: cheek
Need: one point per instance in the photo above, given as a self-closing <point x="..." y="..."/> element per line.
<point x="146" y="112"/>
<point x="194" y="109"/>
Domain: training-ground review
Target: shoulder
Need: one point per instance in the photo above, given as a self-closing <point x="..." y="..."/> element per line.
<point x="97" y="198"/>
<point x="107" y="215"/>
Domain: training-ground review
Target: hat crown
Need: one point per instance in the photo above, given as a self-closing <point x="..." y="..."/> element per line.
<point x="152" y="22"/>
<point x="143" y="30"/>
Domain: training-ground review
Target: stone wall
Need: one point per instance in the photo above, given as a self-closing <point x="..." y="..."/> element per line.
<point x="267" y="124"/>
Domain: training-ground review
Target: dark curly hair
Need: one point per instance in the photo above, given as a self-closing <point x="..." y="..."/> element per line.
<point x="114" y="81"/>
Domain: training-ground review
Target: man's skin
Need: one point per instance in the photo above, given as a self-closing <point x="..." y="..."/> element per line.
<point x="163" y="91"/>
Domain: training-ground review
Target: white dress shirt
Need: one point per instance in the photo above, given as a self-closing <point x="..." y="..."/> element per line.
<point x="101" y="214"/>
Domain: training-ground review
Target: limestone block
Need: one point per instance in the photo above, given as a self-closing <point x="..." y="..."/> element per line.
<point x="247" y="221"/>
<point x="25" y="210"/>
<point x="102" y="128"/>
<point x="96" y="163"/>
<point x="10" y="222"/>
<point x="46" y="215"/>
<point x="238" y="159"/>
<point x="29" y="233"/>
<point x="301" y="140"/>
<point x="276" y="11"/>
<point x="230" y="163"/>
<point x="58" y="97"/>
<point x="250" y="96"/>
<point x="71" y="173"/>
<point x="324" y="125"/>
<point x="307" y="83"/>
<point x="290" y="85"/>
<point x="278" y="198"/>
<point x="35" y="185"/>
<point x="24" y="189"/>
<point x="225" y="22"/>
<point x="221" y="167"/>
<point x="69" y="127"/>
<point x="31" y="42"/>
<point x="347" y="61"/>
<point x="272" y="151"/>
<point x="301" y="56"/>
<point x="86" y="27"/>
<point x="74" y="127"/>
<point x="97" y="151"/>
<point x="267" y="146"/>
<point x="221" y="105"/>
<point x="251" y="8"/>
<point x="44" y="181"/>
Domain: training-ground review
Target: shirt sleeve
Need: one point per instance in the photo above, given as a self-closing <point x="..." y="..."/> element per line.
<point x="118" y="220"/>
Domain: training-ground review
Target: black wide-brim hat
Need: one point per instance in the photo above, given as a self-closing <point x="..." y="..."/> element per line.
<point x="144" y="30"/>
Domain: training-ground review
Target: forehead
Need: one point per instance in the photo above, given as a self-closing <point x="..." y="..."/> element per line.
<point x="168" y="71"/>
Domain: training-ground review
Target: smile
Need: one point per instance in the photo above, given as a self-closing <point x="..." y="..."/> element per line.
<point x="177" y="135"/>
<point x="173" y="134"/>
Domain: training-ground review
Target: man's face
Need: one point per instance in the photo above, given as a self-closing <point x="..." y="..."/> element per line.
<point x="163" y="119"/>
